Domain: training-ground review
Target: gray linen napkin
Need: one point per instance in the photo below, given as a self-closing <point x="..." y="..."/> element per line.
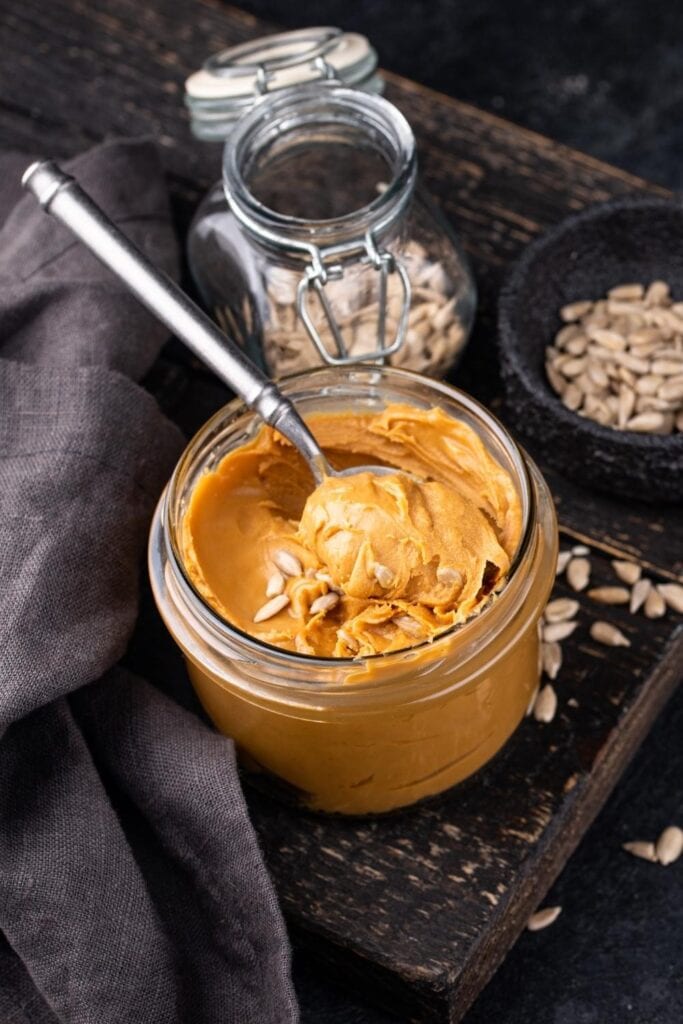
<point x="132" y="888"/>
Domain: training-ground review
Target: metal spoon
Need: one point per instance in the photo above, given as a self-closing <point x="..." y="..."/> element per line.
<point x="59" y="194"/>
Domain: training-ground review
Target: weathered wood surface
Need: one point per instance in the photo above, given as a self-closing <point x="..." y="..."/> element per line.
<point x="420" y="907"/>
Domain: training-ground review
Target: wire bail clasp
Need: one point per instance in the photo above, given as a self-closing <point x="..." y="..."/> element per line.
<point x="316" y="277"/>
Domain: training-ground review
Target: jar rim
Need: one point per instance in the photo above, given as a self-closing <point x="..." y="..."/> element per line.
<point x="237" y="409"/>
<point x="292" y="109"/>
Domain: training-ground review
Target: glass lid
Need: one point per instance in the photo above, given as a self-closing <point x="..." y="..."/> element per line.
<point x="232" y="81"/>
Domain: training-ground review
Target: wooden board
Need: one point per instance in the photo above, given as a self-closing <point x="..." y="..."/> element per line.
<point x="418" y="908"/>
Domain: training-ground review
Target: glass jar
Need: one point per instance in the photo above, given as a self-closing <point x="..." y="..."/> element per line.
<point x="325" y="253"/>
<point x="369" y="734"/>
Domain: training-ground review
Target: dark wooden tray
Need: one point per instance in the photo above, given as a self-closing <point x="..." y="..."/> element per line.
<point x="416" y="909"/>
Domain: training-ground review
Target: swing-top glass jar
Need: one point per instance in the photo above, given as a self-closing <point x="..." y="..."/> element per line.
<point x="324" y="253"/>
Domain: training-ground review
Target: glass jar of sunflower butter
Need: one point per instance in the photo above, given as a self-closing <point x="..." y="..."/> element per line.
<point x="376" y="647"/>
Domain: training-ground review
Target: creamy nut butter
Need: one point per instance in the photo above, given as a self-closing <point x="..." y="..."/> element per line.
<point x="373" y="641"/>
<point x="405" y="556"/>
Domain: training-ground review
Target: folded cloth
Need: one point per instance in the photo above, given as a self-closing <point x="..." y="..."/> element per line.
<point x="132" y="888"/>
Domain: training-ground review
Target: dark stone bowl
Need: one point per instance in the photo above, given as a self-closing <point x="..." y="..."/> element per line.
<point x="588" y="253"/>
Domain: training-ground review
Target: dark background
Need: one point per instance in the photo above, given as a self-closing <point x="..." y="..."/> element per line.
<point x="606" y="77"/>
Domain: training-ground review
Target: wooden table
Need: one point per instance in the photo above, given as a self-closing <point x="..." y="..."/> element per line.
<point x="450" y="884"/>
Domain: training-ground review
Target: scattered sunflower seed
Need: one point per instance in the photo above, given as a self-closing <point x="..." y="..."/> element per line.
<point x="673" y="595"/>
<point x="272" y="607"/>
<point x="578" y="573"/>
<point x="581" y="550"/>
<point x="655" y="605"/>
<point x="563" y="558"/>
<point x="642" y="849"/>
<point x="639" y="594"/>
<point x="610" y="595"/>
<point x="551" y="658"/>
<point x="628" y="572"/>
<point x="532" y="700"/>
<point x="288" y="563"/>
<point x="556" y="631"/>
<point x="545" y="704"/>
<point x="669" y="845"/>
<point x="543" y="918"/>
<point x="607" y="634"/>
<point x="561" y="609"/>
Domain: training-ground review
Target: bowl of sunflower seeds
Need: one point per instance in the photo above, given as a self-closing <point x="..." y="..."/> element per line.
<point x="590" y="328"/>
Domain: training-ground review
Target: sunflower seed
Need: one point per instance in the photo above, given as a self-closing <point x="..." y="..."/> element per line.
<point x="557" y="381"/>
<point x="551" y="658"/>
<point x="627" y="401"/>
<point x="543" y="918"/>
<point x="545" y="704"/>
<point x="646" y="422"/>
<point x="626" y="292"/>
<point x="610" y="595"/>
<point x="581" y="550"/>
<point x="666" y="367"/>
<point x="324" y="603"/>
<point x="639" y="594"/>
<point x="657" y="294"/>
<point x="642" y="849"/>
<point x="628" y="572"/>
<point x="272" y="607"/>
<point x="575" y="310"/>
<point x="669" y="846"/>
<point x="572" y="396"/>
<point x="556" y="631"/>
<point x="673" y="595"/>
<point x="383" y="575"/>
<point x="607" y="634"/>
<point x="446" y="574"/>
<point x="563" y="558"/>
<point x="578" y="573"/>
<point x="275" y="584"/>
<point x="288" y="563"/>
<point x="409" y="625"/>
<point x="610" y="340"/>
<point x="561" y="609"/>
<point x="672" y="390"/>
<point x="655" y="605"/>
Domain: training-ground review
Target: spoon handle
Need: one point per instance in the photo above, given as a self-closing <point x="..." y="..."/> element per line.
<point x="59" y="194"/>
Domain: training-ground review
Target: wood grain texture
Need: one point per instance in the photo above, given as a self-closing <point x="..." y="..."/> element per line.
<point x="416" y="908"/>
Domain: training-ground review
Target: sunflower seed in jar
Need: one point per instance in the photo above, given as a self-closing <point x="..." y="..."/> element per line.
<point x="275" y="584"/>
<point x="288" y="563"/>
<point x="271" y="608"/>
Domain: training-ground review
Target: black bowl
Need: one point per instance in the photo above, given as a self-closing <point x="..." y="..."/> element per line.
<point x="588" y="253"/>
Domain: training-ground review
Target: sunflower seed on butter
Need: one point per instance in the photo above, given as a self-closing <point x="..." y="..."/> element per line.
<point x="271" y="608"/>
<point x="275" y="584"/>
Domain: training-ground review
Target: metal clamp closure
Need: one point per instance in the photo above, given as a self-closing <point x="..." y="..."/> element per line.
<point x="317" y="275"/>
